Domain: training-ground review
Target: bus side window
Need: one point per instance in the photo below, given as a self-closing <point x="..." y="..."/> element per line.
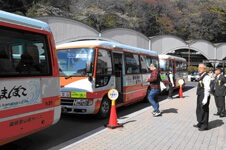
<point x="5" y="63"/>
<point x="33" y="51"/>
<point x="132" y="63"/>
<point x="29" y="60"/>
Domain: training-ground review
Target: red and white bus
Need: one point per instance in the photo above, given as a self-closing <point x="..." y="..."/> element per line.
<point x="29" y="75"/>
<point x="177" y="64"/>
<point x="90" y="68"/>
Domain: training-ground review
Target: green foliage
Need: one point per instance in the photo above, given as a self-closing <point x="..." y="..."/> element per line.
<point x="192" y="69"/>
<point x="34" y="10"/>
<point x="110" y="20"/>
<point x="202" y="19"/>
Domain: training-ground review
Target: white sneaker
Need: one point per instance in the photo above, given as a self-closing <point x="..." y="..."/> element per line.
<point x="157" y="114"/>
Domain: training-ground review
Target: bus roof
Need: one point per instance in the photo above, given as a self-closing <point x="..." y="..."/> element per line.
<point x="171" y="57"/>
<point x="23" y="21"/>
<point x="105" y="44"/>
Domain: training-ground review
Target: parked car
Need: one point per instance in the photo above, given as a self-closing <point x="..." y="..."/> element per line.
<point x="195" y="76"/>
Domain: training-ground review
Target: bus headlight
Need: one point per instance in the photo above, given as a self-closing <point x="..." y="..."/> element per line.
<point x="83" y="102"/>
<point x="65" y="94"/>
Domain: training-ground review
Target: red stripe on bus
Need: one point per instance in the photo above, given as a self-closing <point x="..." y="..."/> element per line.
<point x="135" y="95"/>
<point x="46" y="103"/>
<point x="16" y="128"/>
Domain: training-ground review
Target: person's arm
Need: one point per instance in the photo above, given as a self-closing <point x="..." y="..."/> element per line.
<point x="206" y="82"/>
<point x="153" y="77"/>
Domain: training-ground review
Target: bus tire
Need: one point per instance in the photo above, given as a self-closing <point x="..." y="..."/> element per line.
<point x="105" y="108"/>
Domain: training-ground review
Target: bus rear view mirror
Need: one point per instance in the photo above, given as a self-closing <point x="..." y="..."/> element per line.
<point x="88" y="67"/>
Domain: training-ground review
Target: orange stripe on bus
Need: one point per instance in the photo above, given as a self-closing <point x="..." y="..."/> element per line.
<point x="64" y="82"/>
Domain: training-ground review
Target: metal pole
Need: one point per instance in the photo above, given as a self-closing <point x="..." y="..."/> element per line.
<point x="188" y="55"/>
<point x="223" y="67"/>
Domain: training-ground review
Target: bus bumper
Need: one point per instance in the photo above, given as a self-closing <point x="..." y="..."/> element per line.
<point x="75" y="109"/>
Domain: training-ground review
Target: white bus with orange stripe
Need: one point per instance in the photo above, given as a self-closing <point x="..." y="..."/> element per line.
<point x="178" y="65"/>
<point x="90" y="68"/>
<point x="29" y="75"/>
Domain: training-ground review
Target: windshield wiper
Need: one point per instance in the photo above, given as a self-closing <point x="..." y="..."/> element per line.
<point x="74" y="74"/>
<point x="67" y="77"/>
<point x="78" y="73"/>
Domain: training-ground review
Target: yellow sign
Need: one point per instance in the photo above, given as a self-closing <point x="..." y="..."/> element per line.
<point x="163" y="77"/>
<point x="78" y="94"/>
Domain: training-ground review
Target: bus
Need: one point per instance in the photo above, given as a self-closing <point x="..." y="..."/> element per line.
<point x="29" y="77"/>
<point x="89" y="68"/>
<point x="178" y="66"/>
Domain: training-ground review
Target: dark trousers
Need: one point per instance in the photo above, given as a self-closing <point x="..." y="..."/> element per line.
<point x="170" y="94"/>
<point x="220" y="104"/>
<point x="202" y="111"/>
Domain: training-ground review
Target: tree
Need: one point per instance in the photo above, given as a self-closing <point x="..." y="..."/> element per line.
<point x="193" y="19"/>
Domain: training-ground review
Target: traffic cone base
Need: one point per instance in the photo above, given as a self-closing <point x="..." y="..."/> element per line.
<point x="113" y="123"/>
<point x="113" y="127"/>
<point x="180" y="92"/>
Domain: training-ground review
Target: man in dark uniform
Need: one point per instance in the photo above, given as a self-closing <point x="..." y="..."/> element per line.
<point x="203" y="98"/>
<point x="218" y="90"/>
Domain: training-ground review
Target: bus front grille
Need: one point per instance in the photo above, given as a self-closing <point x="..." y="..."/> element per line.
<point x="67" y="102"/>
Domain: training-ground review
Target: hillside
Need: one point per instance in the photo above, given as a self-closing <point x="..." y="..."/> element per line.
<point x="193" y="19"/>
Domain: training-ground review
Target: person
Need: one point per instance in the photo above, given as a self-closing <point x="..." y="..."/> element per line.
<point x="25" y="64"/>
<point x="203" y="98"/>
<point x="171" y="84"/>
<point x="218" y="91"/>
<point x="212" y="75"/>
<point x="154" y="80"/>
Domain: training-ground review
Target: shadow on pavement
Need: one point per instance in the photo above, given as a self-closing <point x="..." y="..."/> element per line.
<point x="128" y="122"/>
<point x="215" y="123"/>
<point x="170" y="110"/>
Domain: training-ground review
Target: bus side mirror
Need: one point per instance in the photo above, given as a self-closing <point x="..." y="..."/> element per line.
<point x="89" y="70"/>
<point x="88" y="67"/>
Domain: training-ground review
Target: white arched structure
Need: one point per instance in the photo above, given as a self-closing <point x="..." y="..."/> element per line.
<point x="65" y="30"/>
<point x="127" y="36"/>
<point x="221" y="51"/>
<point x="204" y="47"/>
<point x="164" y="44"/>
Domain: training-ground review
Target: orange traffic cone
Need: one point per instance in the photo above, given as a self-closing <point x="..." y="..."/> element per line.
<point x="113" y="123"/>
<point x="180" y="92"/>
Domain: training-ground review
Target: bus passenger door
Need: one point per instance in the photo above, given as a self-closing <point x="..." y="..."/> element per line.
<point x="118" y="68"/>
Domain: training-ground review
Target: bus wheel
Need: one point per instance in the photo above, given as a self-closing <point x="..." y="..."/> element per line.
<point x="105" y="106"/>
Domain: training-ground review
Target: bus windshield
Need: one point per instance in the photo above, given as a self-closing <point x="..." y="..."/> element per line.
<point x="72" y="62"/>
<point x="163" y="64"/>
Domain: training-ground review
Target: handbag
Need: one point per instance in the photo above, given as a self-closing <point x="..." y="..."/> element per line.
<point x="162" y="86"/>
